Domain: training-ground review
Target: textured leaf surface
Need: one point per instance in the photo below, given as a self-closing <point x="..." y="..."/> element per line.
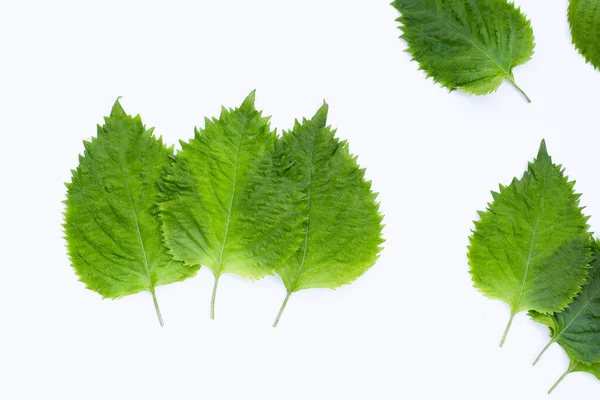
<point x="224" y="206"/>
<point x="584" y="18"/>
<point x="111" y="223"/>
<point x="471" y="45"/>
<point x="577" y="328"/>
<point x="342" y="227"/>
<point x="530" y="248"/>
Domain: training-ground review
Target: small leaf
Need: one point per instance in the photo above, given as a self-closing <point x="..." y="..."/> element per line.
<point x="111" y="224"/>
<point x="530" y="248"/>
<point x="341" y="233"/>
<point x="224" y="205"/>
<point x="584" y="19"/>
<point x="471" y="45"/>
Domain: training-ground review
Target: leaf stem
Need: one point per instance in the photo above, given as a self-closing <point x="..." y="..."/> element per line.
<point x="510" y="321"/>
<point x="571" y="368"/>
<point x="160" y="319"/>
<point x="212" y="300"/>
<point x="512" y="82"/>
<point x="550" y="343"/>
<point x="281" y="309"/>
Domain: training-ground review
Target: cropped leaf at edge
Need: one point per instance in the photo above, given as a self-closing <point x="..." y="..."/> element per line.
<point x="575" y="366"/>
<point x="471" y="45"/>
<point x="584" y="19"/>
<point x="223" y="205"/>
<point x="530" y="248"/>
<point x="111" y="223"/>
<point x="593" y="369"/>
<point x="577" y="328"/>
<point x="342" y="228"/>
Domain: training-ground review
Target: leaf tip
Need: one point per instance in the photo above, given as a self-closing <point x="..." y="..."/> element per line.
<point x="543" y="151"/>
<point x="117" y="109"/>
<point x="320" y="118"/>
<point x="249" y="100"/>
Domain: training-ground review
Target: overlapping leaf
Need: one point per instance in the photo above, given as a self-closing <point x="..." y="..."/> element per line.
<point x="530" y="248"/>
<point x="111" y="224"/>
<point x="342" y="227"/>
<point x="577" y="329"/>
<point x="224" y="205"/>
<point x="471" y="45"/>
<point x="235" y="199"/>
<point x="584" y="18"/>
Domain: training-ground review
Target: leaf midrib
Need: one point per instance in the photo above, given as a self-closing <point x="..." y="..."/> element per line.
<point x="233" y="191"/>
<point x="307" y="230"/>
<point x="135" y="214"/>
<point x="506" y="73"/>
<point x="529" y="256"/>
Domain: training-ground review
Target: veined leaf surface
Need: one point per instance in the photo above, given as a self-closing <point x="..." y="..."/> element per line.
<point x="471" y="45"/>
<point x="341" y="235"/>
<point x="577" y="328"/>
<point x="584" y="19"/>
<point x="111" y="223"/>
<point x="224" y="206"/>
<point x="530" y="248"/>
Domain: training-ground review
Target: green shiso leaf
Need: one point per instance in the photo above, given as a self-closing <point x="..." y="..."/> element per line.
<point x="531" y="247"/>
<point x="577" y="328"/>
<point x="111" y="223"/>
<point x="224" y="205"/>
<point x="584" y="19"/>
<point x="341" y="231"/>
<point x="470" y="45"/>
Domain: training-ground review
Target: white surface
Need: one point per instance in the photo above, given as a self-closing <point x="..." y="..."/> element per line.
<point x="411" y="328"/>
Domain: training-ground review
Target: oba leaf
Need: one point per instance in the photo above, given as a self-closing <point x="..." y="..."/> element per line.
<point x="472" y="45"/>
<point x="530" y="248"/>
<point x="584" y="18"/>
<point x="342" y="228"/>
<point x="224" y="206"/>
<point x="111" y="223"/>
<point x="577" y="328"/>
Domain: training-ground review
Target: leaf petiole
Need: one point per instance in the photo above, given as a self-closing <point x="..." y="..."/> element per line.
<point x="550" y="343"/>
<point x="571" y="368"/>
<point x="281" y="309"/>
<point x="160" y="319"/>
<point x="212" y="300"/>
<point x="512" y="82"/>
<point x="510" y="321"/>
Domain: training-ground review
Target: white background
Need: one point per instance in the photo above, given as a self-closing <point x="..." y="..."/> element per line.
<point x="411" y="328"/>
